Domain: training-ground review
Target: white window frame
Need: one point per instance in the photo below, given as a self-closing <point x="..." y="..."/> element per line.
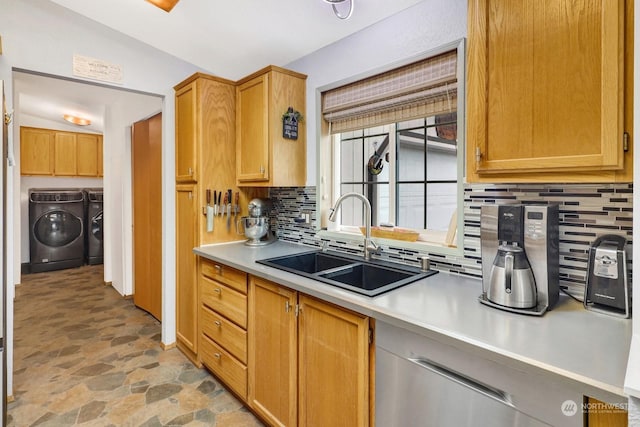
<point x="328" y="188"/>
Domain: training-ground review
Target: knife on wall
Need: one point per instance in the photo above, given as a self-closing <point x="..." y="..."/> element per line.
<point x="209" y="211"/>
<point x="229" y="198"/>
<point x="218" y="203"/>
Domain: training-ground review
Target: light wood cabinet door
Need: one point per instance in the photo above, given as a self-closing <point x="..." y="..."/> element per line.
<point x="87" y="154"/>
<point x="252" y="130"/>
<point x="333" y="376"/>
<point x="187" y="133"/>
<point x="272" y="352"/>
<point x="264" y="157"/>
<point x="545" y="87"/>
<point x="36" y="151"/>
<point x="186" y="270"/>
<point x="65" y="157"/>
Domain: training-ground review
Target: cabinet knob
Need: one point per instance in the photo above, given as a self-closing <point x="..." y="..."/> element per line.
<point x="217" y="291"/>
<point x="217" y="323"/>
<point x="190" y="171"/>
<point x="217" y="355"/>
<point x="218" y="269"/>
<point x="261" y="169"/>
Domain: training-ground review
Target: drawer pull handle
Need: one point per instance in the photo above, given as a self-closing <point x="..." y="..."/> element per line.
<point x="217" y="355"/>
<point x="217" y="323"/>
<point x="217" y="291"/>
<point x="218" y="269"/>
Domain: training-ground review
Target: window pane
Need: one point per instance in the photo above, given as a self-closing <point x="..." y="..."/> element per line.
<point x="441" y="162"/>
<point x="442" y="147"/>
<point x="411" y="155"/>
<point x="441" y="204"/>
<point x="351" y="210"/>
<point x="411" y="206"/>
<point x="376" y="147"/>
<point x="379" y="197"/>
<point x="351" y="160"/>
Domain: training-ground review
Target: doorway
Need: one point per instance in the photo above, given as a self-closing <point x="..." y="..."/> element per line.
<point x="38" y="100"/>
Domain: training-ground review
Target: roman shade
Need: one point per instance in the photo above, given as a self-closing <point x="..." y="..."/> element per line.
<point x="419" y="89"/>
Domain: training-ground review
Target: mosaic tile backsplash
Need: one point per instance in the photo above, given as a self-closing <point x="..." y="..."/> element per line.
<point x="586" y="212"/>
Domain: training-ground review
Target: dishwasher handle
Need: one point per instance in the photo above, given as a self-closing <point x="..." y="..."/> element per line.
<point x="488" y="391"/>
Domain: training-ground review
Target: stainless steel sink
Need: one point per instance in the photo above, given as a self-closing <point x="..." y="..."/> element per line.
<point x="369" y="278"/>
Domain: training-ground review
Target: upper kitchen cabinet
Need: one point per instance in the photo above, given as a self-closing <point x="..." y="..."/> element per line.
<point x="206" y="150"/>
<point x="89" y="152"/>
<point x="36" y="151"/>
<point x="58" y="153"/>
<point x="549" y="94"/>
<point x="187" y="129"/>
<point x="264" y="157"/>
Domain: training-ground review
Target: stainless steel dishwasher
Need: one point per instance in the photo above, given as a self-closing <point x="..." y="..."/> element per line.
<point x="423" y="382"/>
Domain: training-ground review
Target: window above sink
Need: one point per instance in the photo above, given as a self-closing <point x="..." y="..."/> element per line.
<point x="409" y="164"/>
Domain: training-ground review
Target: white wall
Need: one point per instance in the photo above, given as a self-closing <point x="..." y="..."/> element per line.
<point x="40" y="36"/>
<point x="416" y="30"/>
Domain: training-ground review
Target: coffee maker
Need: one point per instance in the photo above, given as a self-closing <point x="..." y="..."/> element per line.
<point x="256" y="225"/>
<point x="520" y="257"/>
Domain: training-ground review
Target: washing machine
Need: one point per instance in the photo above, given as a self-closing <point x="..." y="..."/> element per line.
<point x="94" y="240"/>
<point x="56" y="229"/>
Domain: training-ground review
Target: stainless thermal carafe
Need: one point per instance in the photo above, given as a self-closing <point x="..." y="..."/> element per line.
<point x="512" y="283"/>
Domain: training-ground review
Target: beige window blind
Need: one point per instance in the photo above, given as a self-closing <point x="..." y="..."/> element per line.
<point x="419" y="89"/>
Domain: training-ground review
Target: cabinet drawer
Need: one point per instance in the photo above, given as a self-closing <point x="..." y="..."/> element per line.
<point x="224" y="300"/>
<point x="224" y="366"/>
<point x="236" y="279"/>
<point x="225" y="333"/>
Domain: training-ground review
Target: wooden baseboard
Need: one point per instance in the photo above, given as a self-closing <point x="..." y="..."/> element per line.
<point x="166" y="347"/>
<point x="10" y="398"/>
<point x="108" y="283"/>
<point x="128" y="297"/>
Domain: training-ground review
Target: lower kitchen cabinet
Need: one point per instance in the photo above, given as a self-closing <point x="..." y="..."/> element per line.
<point x="333" y="365"/>
<point x="308" y="360"/>
<point x="222" y="324"/>
<point x="273" y="332"/>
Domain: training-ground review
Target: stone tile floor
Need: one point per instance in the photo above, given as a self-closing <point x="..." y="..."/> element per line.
<point x="84" y="355"/>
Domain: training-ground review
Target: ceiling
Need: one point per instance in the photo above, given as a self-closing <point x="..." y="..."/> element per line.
<point x="232" y="39"/>
<point x="48" y="98"/>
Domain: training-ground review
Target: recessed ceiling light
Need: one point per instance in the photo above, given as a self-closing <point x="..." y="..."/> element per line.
<point x="76" y="120"/>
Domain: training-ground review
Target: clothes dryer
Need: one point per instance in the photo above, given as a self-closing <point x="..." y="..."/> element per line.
<point x="94" y="226"/>
<point x="56" y="229"/>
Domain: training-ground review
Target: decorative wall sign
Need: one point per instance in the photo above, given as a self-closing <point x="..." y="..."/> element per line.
<point x="290" y="121"/>
<point x="96" y="69"/>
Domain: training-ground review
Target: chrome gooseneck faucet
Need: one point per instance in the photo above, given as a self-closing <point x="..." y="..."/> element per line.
<point x="369" y="246"/>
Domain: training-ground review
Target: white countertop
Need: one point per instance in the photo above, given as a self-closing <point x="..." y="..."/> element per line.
<point x="585" y="350"/>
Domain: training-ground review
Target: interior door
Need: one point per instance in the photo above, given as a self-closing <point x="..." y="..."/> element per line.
<point x="146" y="146"/>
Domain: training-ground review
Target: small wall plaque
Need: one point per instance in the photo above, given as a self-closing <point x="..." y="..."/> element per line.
<point x="290" y="121"/>
<point x="96" y="69"/>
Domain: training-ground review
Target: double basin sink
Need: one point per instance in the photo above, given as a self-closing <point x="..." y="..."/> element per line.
<point x="369" y="278"/>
